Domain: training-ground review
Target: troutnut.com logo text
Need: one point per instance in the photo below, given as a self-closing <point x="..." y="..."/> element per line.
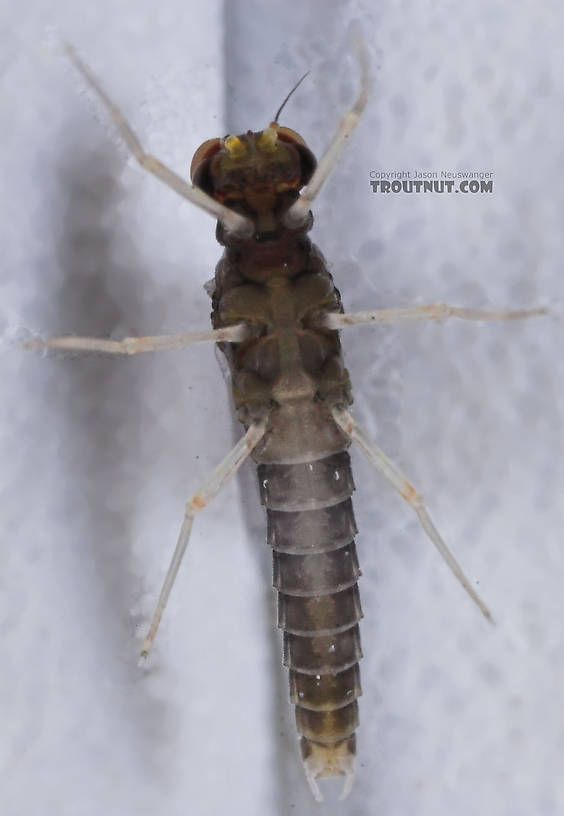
<point x="431" y="181"/>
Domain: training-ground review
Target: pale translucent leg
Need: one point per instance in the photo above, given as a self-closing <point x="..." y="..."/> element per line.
<point x="137" y="345"/>
<point x="299" y="211"/>
<point x="435" y="311"/>
<point x="232" y="221"/>
<point x="199" y="500"/>
<point x="396" y="478"/>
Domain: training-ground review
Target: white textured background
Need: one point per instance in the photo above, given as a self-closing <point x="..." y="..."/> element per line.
<point x="99" y="455"/>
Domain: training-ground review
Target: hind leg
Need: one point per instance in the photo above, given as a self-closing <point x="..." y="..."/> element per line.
<point x="393" y="474"/>
<point x="208" y="491"/>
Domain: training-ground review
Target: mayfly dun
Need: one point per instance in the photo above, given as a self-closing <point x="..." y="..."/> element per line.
<point x="276" y="316"/>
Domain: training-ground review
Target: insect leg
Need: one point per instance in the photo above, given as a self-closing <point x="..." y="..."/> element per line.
<point x="199" y="500"/>
<point x="396" y="478"/>
<point x="298" y="213"/>
<point x="232" y="221"/>
<point x="136" y="345"/>
<point x="434" y="311"/>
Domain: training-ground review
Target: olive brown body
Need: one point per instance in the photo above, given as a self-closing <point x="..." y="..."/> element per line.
<point x="292" y="372"/>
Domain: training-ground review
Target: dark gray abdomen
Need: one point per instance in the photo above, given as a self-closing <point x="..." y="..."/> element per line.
<point x="311" y="530"/>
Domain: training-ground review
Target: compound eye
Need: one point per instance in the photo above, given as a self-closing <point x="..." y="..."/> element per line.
<point x="307" y="159"/>
<point x="288" y="135"/>
<point x="206" y="150"/>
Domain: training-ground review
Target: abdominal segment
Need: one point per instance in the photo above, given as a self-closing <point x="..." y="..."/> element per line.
<point x="315" y="569"/>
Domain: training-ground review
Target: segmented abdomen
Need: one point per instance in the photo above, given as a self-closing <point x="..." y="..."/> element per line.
<point x="311" y="530"/>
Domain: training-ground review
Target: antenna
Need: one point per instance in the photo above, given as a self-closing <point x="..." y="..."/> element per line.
<point x="298" y="83"/>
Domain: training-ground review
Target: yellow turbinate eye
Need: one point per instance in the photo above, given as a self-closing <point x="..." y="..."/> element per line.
<point x="267" y="140"/>
<point x="235" y="146"/>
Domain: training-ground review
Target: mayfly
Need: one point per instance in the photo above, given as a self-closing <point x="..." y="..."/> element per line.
<point x="276" y="316"/>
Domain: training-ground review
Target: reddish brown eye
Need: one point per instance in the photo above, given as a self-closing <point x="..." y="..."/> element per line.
<point x="288" y="135"/>
<point x="307" y="158"/>
<point x="205" y="151"/>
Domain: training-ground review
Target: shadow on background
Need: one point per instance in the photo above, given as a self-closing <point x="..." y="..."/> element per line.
<point x="98" y="403"/>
